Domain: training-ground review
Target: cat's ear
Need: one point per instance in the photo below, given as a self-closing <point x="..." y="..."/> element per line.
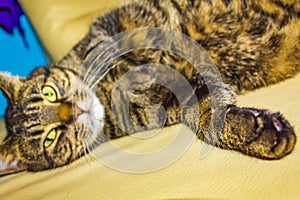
<point x="9" y="161"/>
<point x="10" y="85"/>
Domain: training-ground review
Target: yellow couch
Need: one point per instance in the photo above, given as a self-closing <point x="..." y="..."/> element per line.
<point x="220" y="175"/>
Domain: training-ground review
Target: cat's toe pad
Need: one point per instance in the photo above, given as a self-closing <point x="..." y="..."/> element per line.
<point x="259" y="133"/>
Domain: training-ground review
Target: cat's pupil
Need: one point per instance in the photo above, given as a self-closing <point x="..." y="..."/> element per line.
<point x="50" y="138"/>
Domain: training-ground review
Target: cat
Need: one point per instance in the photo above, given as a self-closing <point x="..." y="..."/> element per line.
<point x="60" y="112"/>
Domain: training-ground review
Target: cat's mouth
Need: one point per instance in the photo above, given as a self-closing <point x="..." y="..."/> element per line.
<point x="91" y="112"/>
<point x="77" y="111"/>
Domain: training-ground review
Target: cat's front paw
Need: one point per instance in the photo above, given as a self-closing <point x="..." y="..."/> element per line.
<point x="259" y="133"/>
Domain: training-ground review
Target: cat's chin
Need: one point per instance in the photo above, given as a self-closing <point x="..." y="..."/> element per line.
<point x="93" y="115"/>
<point x="96" y="113"/>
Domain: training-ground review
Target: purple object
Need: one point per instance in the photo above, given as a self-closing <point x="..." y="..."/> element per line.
<point x="10" y="12"/>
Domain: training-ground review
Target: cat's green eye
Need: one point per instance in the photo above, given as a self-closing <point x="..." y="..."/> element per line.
<point x="49" y="93"/>
<point x="50" y="138"/>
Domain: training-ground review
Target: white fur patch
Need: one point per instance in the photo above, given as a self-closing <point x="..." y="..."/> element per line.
<point x="93" y="115"/>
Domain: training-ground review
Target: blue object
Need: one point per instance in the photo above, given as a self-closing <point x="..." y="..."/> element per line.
<point x="10" y="12"/>
<point x="17" y="57"/>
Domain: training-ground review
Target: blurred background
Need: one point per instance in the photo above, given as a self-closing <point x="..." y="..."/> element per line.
<point x="20" y="51"/>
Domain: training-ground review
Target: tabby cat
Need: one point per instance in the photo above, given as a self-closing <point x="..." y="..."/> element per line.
<point x="55" y="116"/>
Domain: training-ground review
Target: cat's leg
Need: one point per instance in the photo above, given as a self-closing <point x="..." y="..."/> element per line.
<point x="254" y="132"/>
<point x="152" y="102"/>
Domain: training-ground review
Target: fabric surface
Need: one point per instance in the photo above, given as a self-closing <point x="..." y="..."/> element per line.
<point x="219" y="175"/>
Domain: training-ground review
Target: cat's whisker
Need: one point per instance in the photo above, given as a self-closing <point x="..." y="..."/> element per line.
<point x="80" y="131"/>
<point x="86" y="76"/>
<point x="85" y="137"/>
<point x="89" y="74"/>
<point x="15" y="148"/>
<point x="111" y="50"/>
<point x="93" y="83"/>
<point x="79" y="87"/>
<point x="112" y="55"/>
<point x="98" y="70"/>
<point x="88" y="150"/>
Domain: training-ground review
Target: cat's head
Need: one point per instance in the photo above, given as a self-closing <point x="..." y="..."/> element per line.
<point x="51" y="118"/>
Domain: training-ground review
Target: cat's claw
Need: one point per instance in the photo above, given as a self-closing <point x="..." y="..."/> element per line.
<point x="277" y="124"/>
<point x="267" y="136"/>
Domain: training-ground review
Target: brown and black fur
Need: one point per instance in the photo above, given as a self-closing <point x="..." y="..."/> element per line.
<point x="254" y="43"/>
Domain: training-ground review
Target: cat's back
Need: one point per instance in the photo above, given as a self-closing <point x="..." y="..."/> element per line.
<point x="253" y="43"/>
<point x="245" y="38"/>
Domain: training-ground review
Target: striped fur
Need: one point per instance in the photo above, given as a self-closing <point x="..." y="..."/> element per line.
<point x="254" y="43"/>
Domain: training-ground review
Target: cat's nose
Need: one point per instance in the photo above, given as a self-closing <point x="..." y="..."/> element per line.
<point x="69" y="112"/>
<point x="76" y="111"/>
